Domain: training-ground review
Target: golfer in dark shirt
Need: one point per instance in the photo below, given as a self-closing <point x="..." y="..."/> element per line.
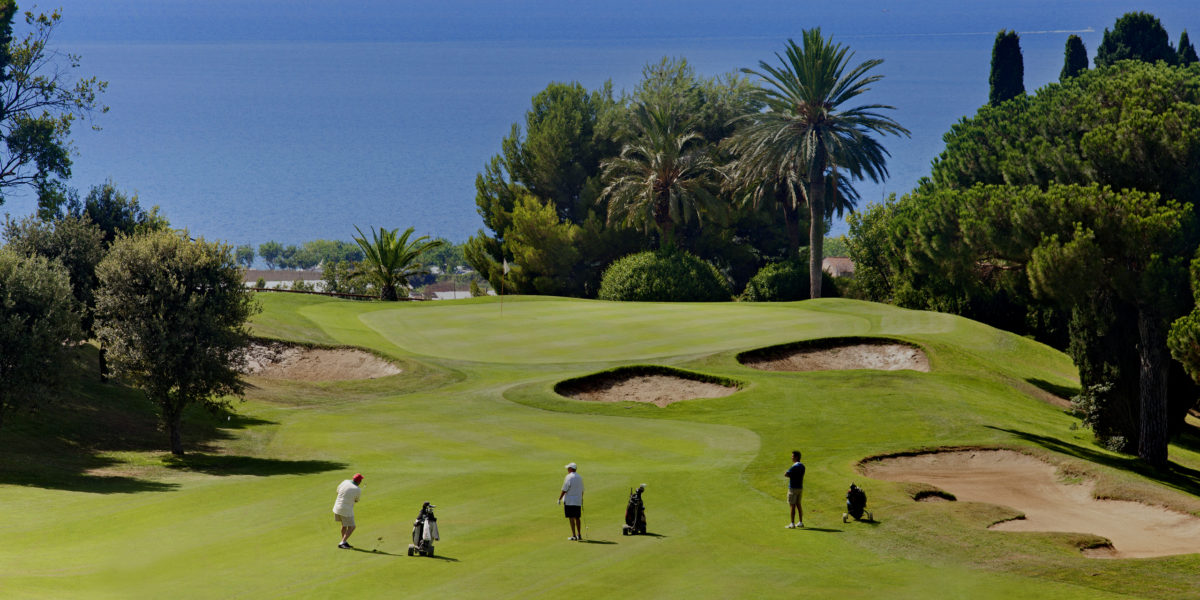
<point x="795" y="477"/>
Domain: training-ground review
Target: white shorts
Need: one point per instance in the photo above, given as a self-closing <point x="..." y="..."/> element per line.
<point x="344" y="520"/>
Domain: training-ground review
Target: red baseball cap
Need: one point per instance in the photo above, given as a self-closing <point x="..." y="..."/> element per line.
<point x="357" y="477"/>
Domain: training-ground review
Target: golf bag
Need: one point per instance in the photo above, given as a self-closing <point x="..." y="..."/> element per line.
<point x="425" y="532"/>
<point x="856" y="505"/>
<point x="635" y="513"/>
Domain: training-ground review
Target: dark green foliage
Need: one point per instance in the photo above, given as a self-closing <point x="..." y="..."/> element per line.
<point x="37" y="314"/>
<point x="74" y="243"/>
<point x="785" y="281"/>
<point x="663" y="276"/>
<point x="172" y="313"/>
<point x="1133" y="125"/>
<point x="338" y="279"/>
<point x="260" y="283"/>
<point x="1187" y="52"/>
<point x="1007" y="79"/>
<point x="117" y="213"/>
<point x="664" y="176"/>
<point x="245" y="255"/>
<point x="810" y="134"/>
<point x="566" y="136"/>
<point x="1114" y="260"/>
<point x="271" y="252"/>
<point x="1136" y="36"/>
<point x="389" y="260"/>
<point x="41" y="102"/>
<point x="1075" y="60"/>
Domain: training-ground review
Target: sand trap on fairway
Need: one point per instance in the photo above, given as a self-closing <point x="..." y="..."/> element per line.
<point x="656" y="389"/>
<point x="838" y="354"/>
<point x="1031" y="486"/>
<point x="284" y="361"/>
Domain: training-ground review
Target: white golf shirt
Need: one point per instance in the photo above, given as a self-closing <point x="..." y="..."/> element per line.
<point x="348" y="494"/>
<point x="573" y="486"/>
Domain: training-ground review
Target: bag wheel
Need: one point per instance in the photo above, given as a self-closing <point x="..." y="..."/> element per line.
<point x="410" y="550"/>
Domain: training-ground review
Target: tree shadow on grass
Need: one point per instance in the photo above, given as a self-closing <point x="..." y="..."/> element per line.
<point x="1182" y="478"/>
<point x="1062" y="391"/>
<point x="82" y="482"/>
<point x="1188" y="438"/>
<point x="220" y="464"/>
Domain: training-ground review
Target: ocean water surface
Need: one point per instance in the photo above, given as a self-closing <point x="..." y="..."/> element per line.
<point x="296" y="120"/>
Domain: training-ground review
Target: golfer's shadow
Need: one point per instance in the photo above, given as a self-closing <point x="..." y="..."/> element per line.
<point x="597" y="541"/>
<point x="375" y="552"/>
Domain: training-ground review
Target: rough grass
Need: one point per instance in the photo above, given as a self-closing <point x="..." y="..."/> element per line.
<point x="474" y="425"/>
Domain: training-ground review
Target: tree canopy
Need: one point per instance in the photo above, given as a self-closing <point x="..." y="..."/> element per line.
<point x="40" y="99"/>
<point x="1007" y="78"/>
<point x="36" y="316"/>
<point x="1075" y="58"/>
<point x="1136" y="36"/>
<point x="808" y="131"/>
<point x="172" y="312"/>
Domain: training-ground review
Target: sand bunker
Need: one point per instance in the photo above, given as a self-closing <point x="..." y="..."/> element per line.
<point x="1031" y="486"/>
<point x="656" y="389"/>
<point x="283" y="361"/>
<point x="838" y="354"/>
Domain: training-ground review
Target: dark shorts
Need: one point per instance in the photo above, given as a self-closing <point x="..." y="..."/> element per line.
<point x="572" y="512"/>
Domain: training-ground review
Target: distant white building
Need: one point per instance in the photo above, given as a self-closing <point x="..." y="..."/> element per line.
<point x="838" y="266"/>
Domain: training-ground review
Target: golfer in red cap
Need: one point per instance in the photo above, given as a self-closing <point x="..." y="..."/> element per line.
<point x="343" y="509"/>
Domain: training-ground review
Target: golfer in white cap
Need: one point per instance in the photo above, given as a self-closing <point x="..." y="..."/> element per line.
<point x="571" y="498"/>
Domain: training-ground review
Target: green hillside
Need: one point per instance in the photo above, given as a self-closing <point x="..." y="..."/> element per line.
<point x="94" y="508"/>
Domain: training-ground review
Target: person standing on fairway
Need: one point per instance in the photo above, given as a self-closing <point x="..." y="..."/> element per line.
<point x="795" y="477"/>
<point x="343" y="509"/>
<point x="571" y="498"/>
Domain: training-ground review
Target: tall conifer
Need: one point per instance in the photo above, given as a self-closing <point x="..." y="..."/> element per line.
<point x="1075" y="61"/>
<point x="1008" y="68"/>
<point x="1187" y="52"/>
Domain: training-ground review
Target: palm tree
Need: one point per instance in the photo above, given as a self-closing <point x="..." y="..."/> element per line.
<point x="804" y="133"/>
<point x="787" y="195"/>
<point x="662" y="177"/>
<point x="389" y="260"/>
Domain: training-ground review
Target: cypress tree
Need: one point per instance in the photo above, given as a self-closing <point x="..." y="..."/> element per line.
<point x="1187" y="52"/>
<point x="1008" y="68"/>
<point x="1075" y="61"/>
<point x="1136" y="36"/>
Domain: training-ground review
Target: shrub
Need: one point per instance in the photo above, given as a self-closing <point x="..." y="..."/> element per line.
<point x="667" y="275"/>
<point x="261" y="283"/>
<point x="786" y="281"/>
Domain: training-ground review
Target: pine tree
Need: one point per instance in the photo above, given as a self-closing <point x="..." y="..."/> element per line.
<point x="1187" y="52"/>
<point x="1075" y="61"/>
<point x="1008" y="68"/>
<point x="1136" y="36"/>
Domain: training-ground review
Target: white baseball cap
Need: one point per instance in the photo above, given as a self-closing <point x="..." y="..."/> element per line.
<point x="571" y="466"/>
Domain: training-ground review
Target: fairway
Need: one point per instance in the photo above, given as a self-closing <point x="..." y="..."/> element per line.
<point x="472" y="424"/>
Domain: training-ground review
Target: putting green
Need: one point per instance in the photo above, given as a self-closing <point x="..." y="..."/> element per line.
<point x="473" y="425"/>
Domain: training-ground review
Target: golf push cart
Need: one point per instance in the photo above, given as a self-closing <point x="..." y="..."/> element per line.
<point x="425" y="532"/>
<point x="635" y="513"/>
<point x="856" y="505"/>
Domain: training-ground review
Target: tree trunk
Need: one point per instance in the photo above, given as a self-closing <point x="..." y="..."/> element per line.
<point x="103" y="364"/>
<point x="662" y="218"/>
<point x="1152" y="349"/>
<point x="791" y="218"/>
<point x="173" y="427"/>
<point x="816" y="226"/>
<point x="388" y="292"/>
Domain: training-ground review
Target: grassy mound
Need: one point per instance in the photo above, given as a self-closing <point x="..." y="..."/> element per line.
<point x="475" y="426"/>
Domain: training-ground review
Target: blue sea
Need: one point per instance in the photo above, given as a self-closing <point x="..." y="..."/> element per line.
<point x="291" y="120"/>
